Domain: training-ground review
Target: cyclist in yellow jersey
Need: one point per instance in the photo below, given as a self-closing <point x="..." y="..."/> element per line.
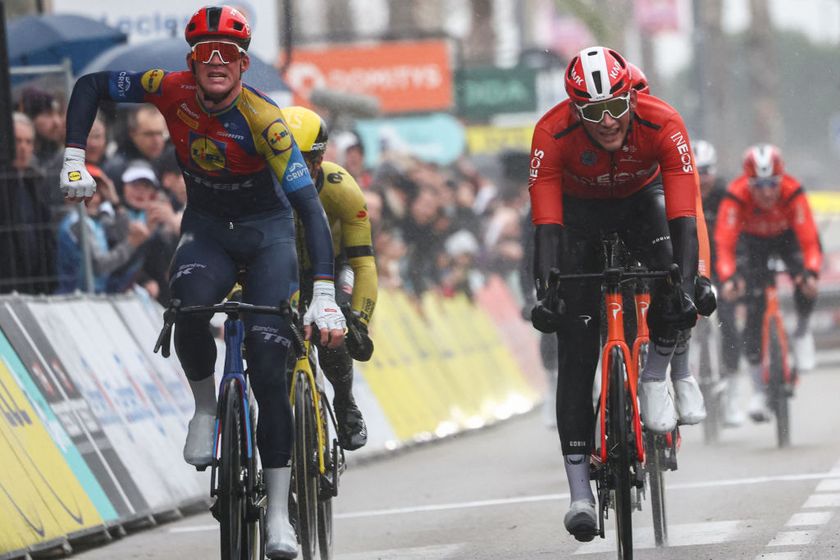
<point x="355" y="266"/>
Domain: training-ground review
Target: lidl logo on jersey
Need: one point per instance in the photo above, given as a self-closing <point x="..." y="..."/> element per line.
<point x="151" y="80"/>
<point x="206" y="153"/>
<point x="278" y="137"/>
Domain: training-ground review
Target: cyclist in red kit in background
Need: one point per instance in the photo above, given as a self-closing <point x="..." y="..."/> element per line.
<point x="610" y="159"/>
<point x="767" y="210"/>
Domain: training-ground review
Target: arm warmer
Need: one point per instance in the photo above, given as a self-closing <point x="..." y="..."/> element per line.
<point x="89" y="90"/>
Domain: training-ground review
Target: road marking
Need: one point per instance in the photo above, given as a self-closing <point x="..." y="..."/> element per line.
<point x="778" y="556"/>
<point x="441" y="552"/>
<point x="829" y="485"/>
<point x="793" y="538"/>
<point x="563" y="496"/>
<point x="822" y="501"/>
<point x="686" y="534"/>
<point x="806" y="518"/>
<point x="195" y="528"/>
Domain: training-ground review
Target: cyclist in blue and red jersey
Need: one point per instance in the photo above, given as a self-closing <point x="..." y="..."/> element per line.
<point x="767" y="210"/>
<point x="245" y="175"/>
<point x="612" y="159"/>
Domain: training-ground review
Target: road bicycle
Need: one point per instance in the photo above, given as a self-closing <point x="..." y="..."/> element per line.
<point x="235" y="478"/>
<point x="618" y="461"/>
<point x="778" y="373"/>
<point x="318" y="459"/>
<point x="660" y="449"/>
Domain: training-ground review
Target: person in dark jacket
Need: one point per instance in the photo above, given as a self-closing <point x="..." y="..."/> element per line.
<point x="27" y="242"/>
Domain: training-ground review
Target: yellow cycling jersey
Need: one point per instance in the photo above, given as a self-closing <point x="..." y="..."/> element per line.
<point x="347" y="215"/>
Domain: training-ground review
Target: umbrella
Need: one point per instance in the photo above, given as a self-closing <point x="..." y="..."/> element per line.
<point x="48" y="39"/>
<point x="170" y="54"/>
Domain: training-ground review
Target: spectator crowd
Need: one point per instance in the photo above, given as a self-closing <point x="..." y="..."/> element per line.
<point x="434" y="227"/>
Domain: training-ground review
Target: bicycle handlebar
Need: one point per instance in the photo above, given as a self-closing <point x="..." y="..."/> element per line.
<point x="229" y="307"/>
<point x="611" y="277"/>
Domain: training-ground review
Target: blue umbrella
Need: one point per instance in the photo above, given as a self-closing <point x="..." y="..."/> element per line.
<point x="170" y="54"/>
<point x="48" y="39"/>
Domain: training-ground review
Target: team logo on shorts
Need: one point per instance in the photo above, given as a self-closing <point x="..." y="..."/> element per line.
<point x="278" y="137"/>
<point x="588" y="157"/>
<point x="152" y="79"/>
<point x="206" y="153"/>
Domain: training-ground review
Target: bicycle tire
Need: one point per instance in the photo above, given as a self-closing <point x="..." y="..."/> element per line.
<point x="231" y="491"/>
<point x="305" y="473"/>
<point x="325" y="512"/>
<point x="256" y="528"/>
<point x="619" y="454"/>
<point x="777" y="391"/>
<point x="709" y="385"/>
<point x="656" y="483"/>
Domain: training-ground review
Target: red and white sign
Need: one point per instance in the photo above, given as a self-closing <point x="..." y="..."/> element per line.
<point x="656" y="16"/>
<point x="405" y="76"/>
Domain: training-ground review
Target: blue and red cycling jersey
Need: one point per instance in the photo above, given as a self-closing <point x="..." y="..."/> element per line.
<point x="239" y="163"/>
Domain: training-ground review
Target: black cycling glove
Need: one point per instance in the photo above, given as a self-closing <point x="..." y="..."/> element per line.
<point x="358" y="342"/>
<point x="545" y="319"/>
<point x="704" y="296"/>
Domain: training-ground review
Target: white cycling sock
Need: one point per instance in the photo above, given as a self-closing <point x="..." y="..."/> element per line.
<point x="577" y="473"/>
<point x="204" y="393"/>
<point x="679" y="362"/>
<point x="658" y="359"/>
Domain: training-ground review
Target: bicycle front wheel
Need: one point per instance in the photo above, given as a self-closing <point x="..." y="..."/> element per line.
<point x="231" y="491"/>
<point x="305" y="468"/>
<point x="325" y="493"/>
<point x="777" y="390"/>
<point x="618" y="426"/>
<point x="656" y="481"/>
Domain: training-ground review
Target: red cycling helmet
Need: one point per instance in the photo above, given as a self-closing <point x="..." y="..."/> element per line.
<point x="597" y="74"/>
<point x="218" y="22"/>
<point x="638" y="80"/>
<point x="763" y="161"/>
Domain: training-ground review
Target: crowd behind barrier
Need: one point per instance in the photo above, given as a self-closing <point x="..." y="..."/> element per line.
<point x="435" y="228"/>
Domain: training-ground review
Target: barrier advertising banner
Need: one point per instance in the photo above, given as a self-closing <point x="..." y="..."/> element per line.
<point x="84" y="341"/>
<point x="405" y="76"/>
<point x="49" y="375"/>
<point x="40" y="497"/>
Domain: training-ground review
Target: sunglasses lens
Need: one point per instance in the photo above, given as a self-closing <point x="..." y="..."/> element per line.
<point x="768" y="183"/>
<point x="204" y="52"/>
<point x="616" y="107"/>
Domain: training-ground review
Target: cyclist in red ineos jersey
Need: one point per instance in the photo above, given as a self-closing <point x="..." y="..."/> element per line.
<point x="244" y="176"/>
<point x="612" y="159"/>
<point x="767" y="210"/>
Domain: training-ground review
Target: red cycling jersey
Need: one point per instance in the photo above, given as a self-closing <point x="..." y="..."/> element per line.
<point x="565" y="160"/>
<point x="739" y="213"/>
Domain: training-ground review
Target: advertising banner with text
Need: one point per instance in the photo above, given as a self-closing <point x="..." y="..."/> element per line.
<point x="405" y="76"/>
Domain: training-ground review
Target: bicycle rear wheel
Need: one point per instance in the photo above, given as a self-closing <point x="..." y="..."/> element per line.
<point x="325" y="493"/>
<point x="618" y="426"/>
<point x="656" y="482"/>
<point x="231" y="490"/>
<point x="777" y="390"/>
<point x="305" y="469"/>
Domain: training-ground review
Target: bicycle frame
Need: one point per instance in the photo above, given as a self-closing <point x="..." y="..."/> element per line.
<point x="303" y="365"/>
<point x="615" y="339"/>
<point x="773" y="315"/>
